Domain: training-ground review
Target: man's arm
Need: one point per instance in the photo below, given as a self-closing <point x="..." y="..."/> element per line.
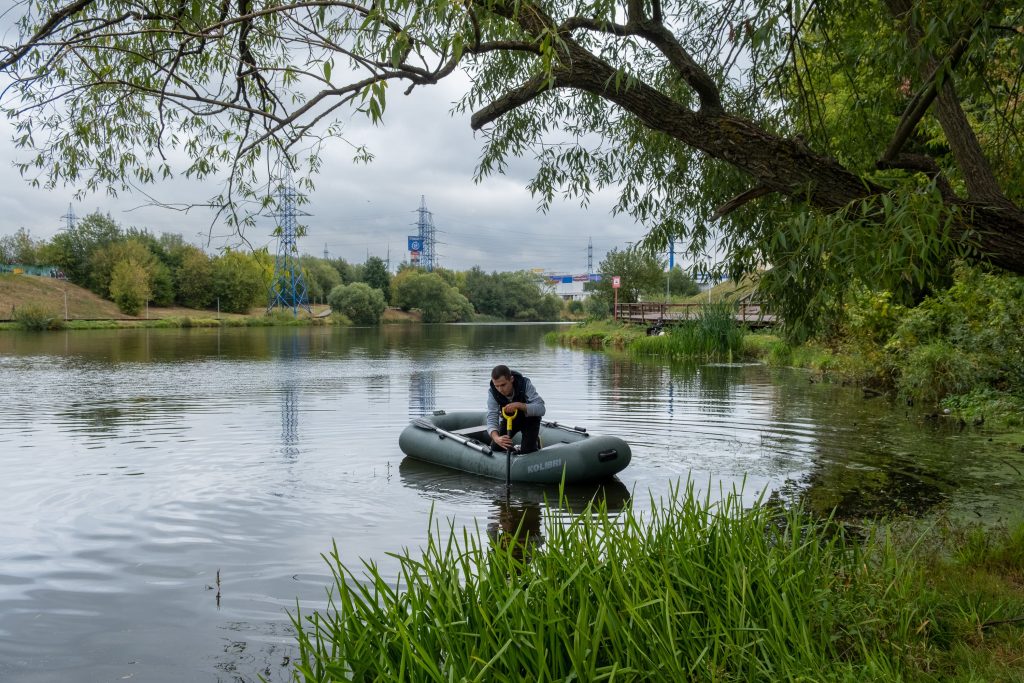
<point x="534" y="403"/>
<point x="492" y="414"/>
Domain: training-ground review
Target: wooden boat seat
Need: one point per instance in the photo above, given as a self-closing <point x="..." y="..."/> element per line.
<point x="466" y="431"/>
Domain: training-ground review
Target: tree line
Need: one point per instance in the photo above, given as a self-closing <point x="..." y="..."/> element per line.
<point x="133" y="267"/>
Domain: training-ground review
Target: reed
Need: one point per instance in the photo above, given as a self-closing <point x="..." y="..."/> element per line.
<point x="692" y="590"/>
<point x="712" y="335"/>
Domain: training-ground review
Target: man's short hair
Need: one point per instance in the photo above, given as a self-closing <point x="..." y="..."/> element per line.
<point x="500" y="371"/>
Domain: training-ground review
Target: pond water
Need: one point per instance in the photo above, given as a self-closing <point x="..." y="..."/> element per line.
<point x="138" y="466"/>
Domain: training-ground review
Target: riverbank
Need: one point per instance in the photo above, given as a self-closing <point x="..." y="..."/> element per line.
<point x="694" y="590"/>
<point x="58" y="304"/>
<point x="847" y="364"/>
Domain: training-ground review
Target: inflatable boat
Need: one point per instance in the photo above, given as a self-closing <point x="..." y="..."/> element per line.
<point x="459" y="440"/>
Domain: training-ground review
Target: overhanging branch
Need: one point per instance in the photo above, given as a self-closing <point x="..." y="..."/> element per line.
<point x="513" y="99"/>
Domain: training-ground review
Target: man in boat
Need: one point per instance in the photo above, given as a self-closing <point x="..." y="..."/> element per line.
<point x="513" y="394"/>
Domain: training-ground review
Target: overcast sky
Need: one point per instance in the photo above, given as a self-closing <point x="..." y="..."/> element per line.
<point x="356" y="210"/>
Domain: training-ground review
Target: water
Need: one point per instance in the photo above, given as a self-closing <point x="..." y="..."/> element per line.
<point x="137" y="465"/>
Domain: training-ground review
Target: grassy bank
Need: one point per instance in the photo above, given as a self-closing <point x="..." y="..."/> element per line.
<point x="39" y="303"/>
<point x="713" y="335"/>
<point x="693" y="591"/>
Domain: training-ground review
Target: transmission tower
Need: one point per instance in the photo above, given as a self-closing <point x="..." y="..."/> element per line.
<point x="427" y="236"/>
<point x="287" y="289"/>
<point x="69" y="219"/>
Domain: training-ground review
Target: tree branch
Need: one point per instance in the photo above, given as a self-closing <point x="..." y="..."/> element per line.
<point x="657" y="34"/>
<point x="513" y="99"/>
<point x="924" y="97"/>
<point x="45" y="30"/>
<point x="741" y="199"/>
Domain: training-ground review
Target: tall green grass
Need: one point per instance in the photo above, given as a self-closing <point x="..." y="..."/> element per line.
<point x="694" y="590"/>
<point x="713" y="334"/>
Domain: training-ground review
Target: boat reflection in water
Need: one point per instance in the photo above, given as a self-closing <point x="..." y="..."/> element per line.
<point x="515" y="516"/>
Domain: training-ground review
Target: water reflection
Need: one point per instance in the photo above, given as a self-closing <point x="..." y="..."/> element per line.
<point x="422" y="393"/>
<point x="516" y="515"/>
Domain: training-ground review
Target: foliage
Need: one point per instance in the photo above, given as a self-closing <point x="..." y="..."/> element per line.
<point x="194" y="278"/>
<point x="599" y="333"/>
<point x="428" y="292"/>
<point x="695" y="590"/>
<point x="36" y="317"/>
<point x="597" y="307"/>
<point x="968" y="335"/>
<point x="359" y="302"/>
<point x="375" y="273"/>
<point x="320" y="277"/>
<point x="104" y="259"/>
<point x="640" y="273"/>
<point x="71" y="249"/>
<point x="129" y="286"/>
<point x="345" y="270"/>
<point x="766" y="131"/>
<point x="239" y="281"/>
<point x="900" y="243"/>
<point x="680" y="284"/>
<point x="509" y="295"/>
<point x="713" y="334"/>
<point x="20" y="248"/>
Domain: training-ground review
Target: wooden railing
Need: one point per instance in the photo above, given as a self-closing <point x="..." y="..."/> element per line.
<point x="650" y="313"/>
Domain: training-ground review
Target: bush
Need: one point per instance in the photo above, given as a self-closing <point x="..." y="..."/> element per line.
<point x="968" y="336"/>
<point x="439" y="301"/>
<point x="359" y="302"/>
<point x="35" y="318"/>
<point x="933" y="371"/>
<point x="129" y="287"/>
<point x="596" y="307"/>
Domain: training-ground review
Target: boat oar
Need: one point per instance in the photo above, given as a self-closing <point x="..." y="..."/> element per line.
<point x="424" y="423"/>
<point x="508" y="453"/>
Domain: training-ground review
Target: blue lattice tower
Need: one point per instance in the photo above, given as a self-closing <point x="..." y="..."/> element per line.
<point x="287" y="288"/>
<point x="427" y="236"/>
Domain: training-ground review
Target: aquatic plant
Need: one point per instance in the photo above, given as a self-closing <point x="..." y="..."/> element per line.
<point x="713" y="334"/>
<point x="692" y="590"/>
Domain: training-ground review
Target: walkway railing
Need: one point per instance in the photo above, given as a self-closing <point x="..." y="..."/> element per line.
<point x="649" y="313"/>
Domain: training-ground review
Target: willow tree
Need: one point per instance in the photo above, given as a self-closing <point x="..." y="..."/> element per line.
<point x="830" y="139"/>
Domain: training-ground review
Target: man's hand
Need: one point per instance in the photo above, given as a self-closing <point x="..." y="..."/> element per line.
<point x="514" y="407"/>
<point x="503" y="440"/>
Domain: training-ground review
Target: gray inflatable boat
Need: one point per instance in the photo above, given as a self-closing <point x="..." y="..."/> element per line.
<point x="459" y="440"/>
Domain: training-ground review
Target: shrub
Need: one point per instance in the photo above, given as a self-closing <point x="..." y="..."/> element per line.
<point x="968" y="335"/>
<point x="933" y="371"/>
<point x="359" y="302"/>
<point x="439" y="301"/>
<point x="596" y="307"/>
<point x="36" y="317"/>
<point x="129" y="287"/>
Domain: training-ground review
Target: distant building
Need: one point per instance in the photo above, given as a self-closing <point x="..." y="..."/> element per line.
<point x="569" y="287"/>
